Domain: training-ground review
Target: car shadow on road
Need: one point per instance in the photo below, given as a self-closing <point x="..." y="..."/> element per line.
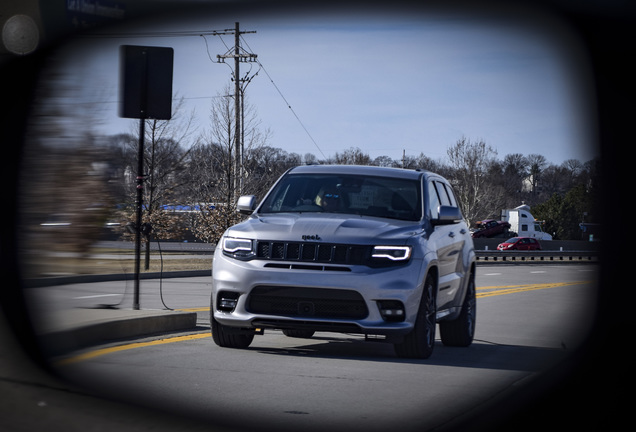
<point x="481" y="354"/>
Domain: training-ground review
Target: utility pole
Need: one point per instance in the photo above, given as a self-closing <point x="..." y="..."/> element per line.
<point x="239" y="55"/>
<point x="237" y="107"/>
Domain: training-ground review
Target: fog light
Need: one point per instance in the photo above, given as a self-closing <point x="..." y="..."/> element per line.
<point x="391" y="310"/>
<point x="226" y="301"/>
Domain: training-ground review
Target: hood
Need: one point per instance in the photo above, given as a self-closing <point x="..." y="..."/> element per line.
<point x="328" y="228"/>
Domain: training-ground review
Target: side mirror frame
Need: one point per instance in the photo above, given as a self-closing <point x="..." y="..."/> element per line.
<point x="246" y="204"/>
<point x="447" y="215"/>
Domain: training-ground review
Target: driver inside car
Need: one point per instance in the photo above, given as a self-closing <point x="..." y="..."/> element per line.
<point x="329" y="200"/>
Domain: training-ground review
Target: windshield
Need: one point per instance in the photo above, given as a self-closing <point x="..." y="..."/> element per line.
<point x="350" y="194"/>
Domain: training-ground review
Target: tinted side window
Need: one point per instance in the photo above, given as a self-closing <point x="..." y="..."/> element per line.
<point x="433" y="200"/>
<point x="451" y="195"/>
<point x="443" y="196"/>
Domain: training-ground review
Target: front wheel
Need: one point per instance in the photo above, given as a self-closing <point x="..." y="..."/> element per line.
<point x="461" y="331"/>
<point x="226" y="337"/>
<point x="419" y="343"/>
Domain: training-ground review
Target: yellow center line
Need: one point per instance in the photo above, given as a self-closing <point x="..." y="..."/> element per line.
<point x="487" y="291"/>
<point x="512" y="289"/>
<point x="100" y="352"/>
<point x="197" y="309"/>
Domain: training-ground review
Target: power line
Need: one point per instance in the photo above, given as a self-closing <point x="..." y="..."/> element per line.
<point x="203" y="33"/>
<point x="73" y="103"/>
<point x="158" y="34"/>
<point x="174" y="99"/>
<point x="288" y="104"/>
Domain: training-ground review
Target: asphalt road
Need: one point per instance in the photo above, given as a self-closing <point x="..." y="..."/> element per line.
<point x="530" y="320"/>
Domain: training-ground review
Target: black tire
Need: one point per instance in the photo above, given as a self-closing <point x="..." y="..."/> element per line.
<point x="305" y="334"/>
<point x="461" y="331"/>
<point x="419" y="343"/>
<point x="226" y="338"/>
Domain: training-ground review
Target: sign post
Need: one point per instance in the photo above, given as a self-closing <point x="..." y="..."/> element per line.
<point x="145" y="93"/>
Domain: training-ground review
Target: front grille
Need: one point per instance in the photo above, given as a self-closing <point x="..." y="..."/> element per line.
<point x="313" y="252"/>
<point x="307" y="302"/>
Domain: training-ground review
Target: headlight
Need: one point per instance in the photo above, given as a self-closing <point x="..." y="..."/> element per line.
<point x="393" y="253"/>
<point x="238" y="247"/>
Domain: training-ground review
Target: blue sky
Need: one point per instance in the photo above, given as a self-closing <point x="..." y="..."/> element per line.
<point x="385" y="84"/>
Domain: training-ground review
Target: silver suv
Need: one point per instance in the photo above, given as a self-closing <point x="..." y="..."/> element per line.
<point x="381" y="252"/>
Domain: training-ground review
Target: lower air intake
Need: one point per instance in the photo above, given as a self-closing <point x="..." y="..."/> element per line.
<point x="307" y="303"/>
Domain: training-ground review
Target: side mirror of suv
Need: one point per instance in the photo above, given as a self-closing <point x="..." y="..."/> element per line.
<point x="246" y="204"/>
<point x="447" y="215"/>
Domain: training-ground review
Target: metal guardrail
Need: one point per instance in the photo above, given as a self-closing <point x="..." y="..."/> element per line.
<point x="539" y="257"/>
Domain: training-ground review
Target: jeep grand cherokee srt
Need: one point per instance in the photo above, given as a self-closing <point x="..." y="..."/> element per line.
<point x="380" y="252"/>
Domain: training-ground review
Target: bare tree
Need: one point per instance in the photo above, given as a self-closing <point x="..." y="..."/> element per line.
<point x="216" y="184"/>
<point x="264" y="165"/>
<point x="352" y="156"/>
<point x="536" y="165"/>
<point x="469" y="165"/>
<point x="167" y="144"/>
<point x="383" y="161"/>
<point x="310" y="158"/>
<point x="510" y="176"/>
<point x="424" y="162"/>
<point x="574" y="166"/>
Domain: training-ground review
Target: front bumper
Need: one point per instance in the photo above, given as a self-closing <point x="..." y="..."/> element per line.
<point x="285" y="295"/>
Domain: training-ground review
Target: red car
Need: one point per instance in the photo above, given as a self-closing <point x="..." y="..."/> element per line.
<point x="520" y="243"/>
<point x="490" y="228"/>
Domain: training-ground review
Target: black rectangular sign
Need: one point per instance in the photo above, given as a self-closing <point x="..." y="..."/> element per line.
<point x="145" y="82"/>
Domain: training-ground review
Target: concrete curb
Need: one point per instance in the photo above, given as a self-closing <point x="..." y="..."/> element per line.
<point x="77" y="329"/>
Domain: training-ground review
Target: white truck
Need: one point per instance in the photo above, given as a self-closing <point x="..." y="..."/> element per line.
<point x="523" y="223"/>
